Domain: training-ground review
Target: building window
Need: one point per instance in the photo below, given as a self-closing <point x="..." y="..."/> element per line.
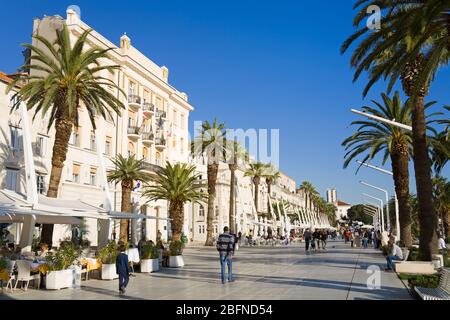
<point x="12" y="179"/>
<point x="40" y="182"/>
<point x="93" y="177"/>
<point x="217" y="211"/>
<point x="158" y="159"/>
<point x="175" y="118"/>
<point x="93" y="146"/>
<point x="131" y="151"/>
<point x="215" y="229"/>
<point x="76" y="173"/>
<point x="75" y="137"/>
<point x="182" y="125"/>
<point x="132" y="89"/>
<point x="108" y="144"/>
<point x="15" y="138"/>
<point x="40" y="146"/>
<point x="201" y="211"/>
<point x="182" y="145"/>
<point x="174" y="142"/>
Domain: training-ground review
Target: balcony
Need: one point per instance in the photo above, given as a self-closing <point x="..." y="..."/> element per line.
<point x="148" y="108"/>
<point x="151" y="167"/>
<point x="133" y="132"/>
<point x="134" y="101"/>
<point x="161" y="143"/>
<point x="161" y="114"/>
<point x="148" y="137"/>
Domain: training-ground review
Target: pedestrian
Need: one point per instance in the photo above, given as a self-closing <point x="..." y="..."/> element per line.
<point x="441" y="243"/>
<point x="352" y="239"/>
<point x="395" y="254"/>
<point x="307" y="236"/>
<point x="378" y="239"/>
<point x="324" y="239"/>
<point x="316" y="238"/>
<point x="347" y="236"/>
<point x="225" y="246"/>
<point x="123" y="268"/>
<point x="365" y="239"/>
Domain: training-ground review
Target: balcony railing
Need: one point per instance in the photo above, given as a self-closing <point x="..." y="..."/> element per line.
<point x="160" y="142"/>
<point x="148" y="107"/>
<point x="160" y="113"/>
<point x="135" y="99"/>
<point x="134" y="130"/>
<point x="148" y="136"/>
<point x="151" y="167"/>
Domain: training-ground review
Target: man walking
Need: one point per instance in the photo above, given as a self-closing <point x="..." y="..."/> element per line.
<point x="308" y="236"/>
<point x="225" y="246"/>
<point x="123" y="268"/>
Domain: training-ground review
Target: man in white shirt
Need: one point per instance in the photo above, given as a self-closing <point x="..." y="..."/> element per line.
<point x="441" y="244"/>
<point x="396" y="254"/>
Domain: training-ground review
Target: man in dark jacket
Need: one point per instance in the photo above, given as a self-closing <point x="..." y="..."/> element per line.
<point x="308" y="236"/>
<point x="123" y="269"/>
<point x="225" y="246"/>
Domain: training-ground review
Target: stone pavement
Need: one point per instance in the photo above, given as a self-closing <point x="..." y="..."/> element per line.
<point x="261" y="273"/>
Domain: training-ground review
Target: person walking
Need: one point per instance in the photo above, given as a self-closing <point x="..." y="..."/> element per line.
<point x="225" y="245"/>
<point x="307" y="236"/>
<point x="352" y="239"/>
<point x="123" y="269"/>
<point x="324" y="239"/>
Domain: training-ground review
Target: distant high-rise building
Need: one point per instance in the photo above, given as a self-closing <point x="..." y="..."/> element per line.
<point x="331" y="196"/>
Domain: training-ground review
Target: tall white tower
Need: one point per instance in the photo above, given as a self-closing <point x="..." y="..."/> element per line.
<point x="331" y="195"/>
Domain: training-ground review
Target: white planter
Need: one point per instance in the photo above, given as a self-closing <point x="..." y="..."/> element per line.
<point x="109" y="272"/>
<point x="149" y="265"/>
<point x="176" y="261"/>
<point x="56" y="280"/>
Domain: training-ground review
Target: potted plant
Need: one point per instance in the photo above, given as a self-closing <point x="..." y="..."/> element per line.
<point x="107" y="255"/>
<point x="149" y="257"/>
<point x="176" y="250"/>
<point x="57" y="265"/>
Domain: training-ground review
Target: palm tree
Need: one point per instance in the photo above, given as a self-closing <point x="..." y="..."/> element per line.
<point x="256" y="171"/>
<point x="310" y="193"/>
<point x="236" y="154"/>
<point x="374" y="137"/>
<point x="441" y="195"/>
<point x="66" y="77"/>
<point x="272" y="176"/>
<point x="127" y="171"/>
<point x="440" y="150"/>
<point x="211" y="140"/>
<point x="177" y="184"/>
<point x="404" y="48"/>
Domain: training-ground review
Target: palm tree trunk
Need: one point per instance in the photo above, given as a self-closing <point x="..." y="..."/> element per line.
<point x="232" y="197"/>
<point x="422" y="166"/>
<point x="63" y="130"/>
<point x="212" y="170"/>
<point x="428" y="220"/>
<point x="256" y="182"/>
<point x="446" y="220"/>
<point x="176" y="213"/>
<point x="269" y="190"/>
<point x="125" y="207"/>
<point x="400" y="169"/>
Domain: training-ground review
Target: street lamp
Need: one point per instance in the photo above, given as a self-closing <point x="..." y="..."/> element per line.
<point x="391" y="122"/>
<point x="375" y="209"/>
<point x="381" y="208"/>
<point x="387" y="202"/>
<point x="397" y="219"/>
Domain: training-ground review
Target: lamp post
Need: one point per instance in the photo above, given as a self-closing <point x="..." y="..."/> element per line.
<point x="391" y="122"/>
<point x="397" y="218"/>
<point x="374" y="211"/>
<point x="381" y="208"/>
<point x="387" y="202"/>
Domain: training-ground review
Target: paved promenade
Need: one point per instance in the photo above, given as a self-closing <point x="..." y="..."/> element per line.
<point x="340" y="273"/>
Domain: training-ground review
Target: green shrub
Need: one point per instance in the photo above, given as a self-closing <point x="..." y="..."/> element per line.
<point x="425" y="281"/>
<point x="62" y="259"/>
<point x="108" y="254"/>
<point x="447" y="240"/>
<point x="176" y="248"/>
<point x="3" y="264"/>
<point x="149" y="251"/>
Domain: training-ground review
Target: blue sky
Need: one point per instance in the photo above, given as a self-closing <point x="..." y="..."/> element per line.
<point x="251" y="64"/>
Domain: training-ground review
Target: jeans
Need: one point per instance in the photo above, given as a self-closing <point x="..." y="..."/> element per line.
<point x="365" y="243"/>
<point x="390" y="260"/>
<point x="226" y="260"/>
<point x="123" y="281"/>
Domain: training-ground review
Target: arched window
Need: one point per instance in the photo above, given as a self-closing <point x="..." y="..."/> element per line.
<point x="131" y="149"/>
<point x="145" y="154"/>
<point x="201" y="211"/>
